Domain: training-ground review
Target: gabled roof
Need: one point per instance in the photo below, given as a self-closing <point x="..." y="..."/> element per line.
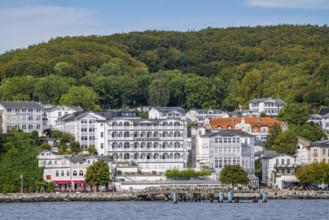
<point x="170" y="109"/>
<point x="215" y="111"/>
<point x="273" y="154"/>
<point x="306" y="143"/>
<point x="279" y="101"/>
<point x="20" y="104"/>
<point x="324" y="111"/>
<point x="79" y="115"/>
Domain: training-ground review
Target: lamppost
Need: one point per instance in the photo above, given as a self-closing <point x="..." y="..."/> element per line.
<point x="21" y="183"/>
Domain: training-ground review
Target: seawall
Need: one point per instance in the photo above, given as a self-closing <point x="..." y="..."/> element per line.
<point x="56" y="197"/>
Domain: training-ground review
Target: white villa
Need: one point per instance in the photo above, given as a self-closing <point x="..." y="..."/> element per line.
<point x="26" y="116"/>
<point x="67" y="172"/>
<point x="269" y="106"/>
<point x="278" y="169"/>
<point x="224" y="147"/>
<point x="201" y="115"/>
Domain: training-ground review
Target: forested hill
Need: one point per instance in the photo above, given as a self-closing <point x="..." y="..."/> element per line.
<point x="217" y="68"/>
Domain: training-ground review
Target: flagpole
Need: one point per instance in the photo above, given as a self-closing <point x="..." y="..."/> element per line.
<point x="21" y="183"/>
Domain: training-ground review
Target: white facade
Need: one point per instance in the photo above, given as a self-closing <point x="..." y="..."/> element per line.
<point x="278" y="169"/>
<point x="322" y="120"/>
<point x="52" y="113"/>
<point x="167" y="113"/>
<point x="201" y="115"/>
<point x="26" y="116"/>
<point x="153" y="144"/>
<point x="269" y="106"/>
<point x="68" y="173"/>
<point x="302" y="152"/>
<point x="223" y="147"/>
<point x="83" y="127"/>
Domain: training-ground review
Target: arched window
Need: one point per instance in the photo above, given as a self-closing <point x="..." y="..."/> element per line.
<point x="149" y="156"/>
<point x="30" y="118"/>
<point x="177" y="123"/>
<point x="120" y="123"/>
<point x="135" y="145"/>
<point x="62" y="173"/>
<point x="143" y="134"/>
<point x="176" y="134"/>
<point x="156" y="134"/>
<point x="114" y="124"/>
<point x="114" y="145"/>
<point x="142" y="145"/>
<point x="155" y="145"/>
<point x="149" y="145"/>
<point x="80" y="173"/>
<point x="120" y="145"/>
<point x="115" y="134"/>
<point x="149" y="134"/>
<point x="30" y="127"/>
<point x="75" y="173"/>
<point x="24" y="127"/>
<point x="165" y="145"/>
<point x="156" y="156"/>
<point x="126" y="124"/>
<point x="126" y="156"/>
<point x="115" y="156"/>
<point x="165" y="123"/>
<point x="165" y="156"/>
<point x="177" y="145"/>
<point x="135" y="156"/>
<point x="164" y="134"/>
<point x="135" y="134"/>
<point x="126" y="134"/>
<point x="38" y="127"/>
<point x="126" y="145"/>
<point x="67" y="173"/>
<point x="57" y="173"/>
<point x="255" y="128"/>
<point x="177" y="156"/>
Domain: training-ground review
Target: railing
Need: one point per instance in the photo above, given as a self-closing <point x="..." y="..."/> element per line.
<point x="145" y="127"/>
<point x="145" y="149"/>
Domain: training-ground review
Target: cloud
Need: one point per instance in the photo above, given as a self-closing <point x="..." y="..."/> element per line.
<point x="305" y="4"/>
<point x="24" y="26"/>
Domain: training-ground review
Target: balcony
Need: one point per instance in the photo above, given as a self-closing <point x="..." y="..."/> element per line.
<point x="158" y="150"/>
<point x="285" y="165"/>
<point x="150" y="128"/>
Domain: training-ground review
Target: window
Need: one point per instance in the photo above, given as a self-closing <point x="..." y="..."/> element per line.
<point x="59" y="114"/>
<point x="84" y="138"/>
<point x="277" y="161"/>
<point x="9" y="110"/>
<point x="16" y="110"/>
<point x="220" y="140"/>
<point x="229" y="140"/>
<point x="23" y="109"/>
<point x="62" y="173"/>
<point x="102" y="145"/>
<point x="67" y="173"/>
<point x="102" y="134"/>
<point x="282" y="161"/>
<point x="30" y="110"/>
<point x="30" y="127"/>
<point x="126" y="145"/>
<point x="57" y="173"/>
<point x="91" y="121"/>
<point x="91" y="129"/>
<point x="75" y="173"/>
<point x="288" y="161"/>
<point x="225" y="140"/>
<point x="83" y="121"/>
<point x="30" y="118"/>
<point x="91" y="138"/>
<point x="80" y="173"/>
<point x="83" y="129"/>
<point x="216" y="140"/>
<point x="323" y="151"/>
<point x="315" y="152"/>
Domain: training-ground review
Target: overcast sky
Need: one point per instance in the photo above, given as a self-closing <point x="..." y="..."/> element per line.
<point x="26" y="22"/>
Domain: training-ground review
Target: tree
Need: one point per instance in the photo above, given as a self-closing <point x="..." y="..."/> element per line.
<point x="92" y="150"/>
<point x="233" y="174"/>
<point x="258" y="168"/>
<point x="98" y="174"/>
<point x="274" y="133"/>
<point x="314" y="173"/>
<point x="294" y="113"/>
<point x="158" y="92"/>
<point x="82" y="96"/>
<point x="285" y="142"/>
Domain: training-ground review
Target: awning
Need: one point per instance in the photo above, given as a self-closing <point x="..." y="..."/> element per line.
<point x="62" y="182"/>
<point x="78" y="181"/>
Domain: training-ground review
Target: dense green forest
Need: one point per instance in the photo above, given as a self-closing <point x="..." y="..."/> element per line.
<point x="214" y="67"/>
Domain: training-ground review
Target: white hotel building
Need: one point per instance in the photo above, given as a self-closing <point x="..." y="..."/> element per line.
<point x="26" y="116"/>
<point x="216" y="149"/>
<point x="154" y="144"/>
<point x="269" y="106"/>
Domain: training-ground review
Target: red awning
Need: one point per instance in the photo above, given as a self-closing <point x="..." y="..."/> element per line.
<point x="78" y="181"/>
<point x="62" y="182"/>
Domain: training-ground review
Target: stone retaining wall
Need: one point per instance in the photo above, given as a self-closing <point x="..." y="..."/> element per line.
<point x="56" y="197"/>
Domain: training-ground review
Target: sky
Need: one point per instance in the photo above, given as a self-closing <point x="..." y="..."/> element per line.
<point x="27" y="22"/>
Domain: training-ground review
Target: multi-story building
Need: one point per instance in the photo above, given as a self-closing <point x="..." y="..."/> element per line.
<point x="322" y="120"/>
<point x="167" y="113"/>
<point x="319" y="152"/>
<point x="200" y="115"/>
<point x="278" y="170"/>
<point x="153" y="144"/>
<point x="67" y="172"/>
<point x="302" y="151"/>
<point x="26" y="116"/>
<point x="258" y="126"/>
<point x="215" y="149"/>
<point x="269" y="106"/>
<point x="84" y="127"/>
<point x="52" y="113"/>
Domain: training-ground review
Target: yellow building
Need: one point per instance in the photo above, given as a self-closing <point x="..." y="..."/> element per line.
<point x="319" y="152"/>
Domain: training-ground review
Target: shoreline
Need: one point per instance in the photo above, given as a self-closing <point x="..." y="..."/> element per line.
<point x="131" y="196"/>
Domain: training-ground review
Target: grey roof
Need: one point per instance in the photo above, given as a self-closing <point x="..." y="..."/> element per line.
<point x="20" y="104"/>
<point x="76" y="159"/>
<point x="125" y="113"/>
<point x="107" y="115"/>
<point x="271" y="154"/>
<point x="170" y="109"/>
<point x="279" y="101"/>
<point x="77" y="108"/>
<point x="324" y="111"/>
<point x="78" y="115"/>
<point x="324" y="143"/>
<point x="218" y="111"/>
<point x="231" y="132"/>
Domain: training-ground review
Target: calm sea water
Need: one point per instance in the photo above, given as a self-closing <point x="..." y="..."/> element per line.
<point x="274" y="209"/>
